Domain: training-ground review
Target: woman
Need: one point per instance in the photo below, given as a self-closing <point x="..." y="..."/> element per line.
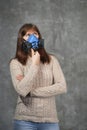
<point x="37" y="78"/>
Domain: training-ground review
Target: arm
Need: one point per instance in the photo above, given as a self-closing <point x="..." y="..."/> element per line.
<point x="24" y="86"/>
<point x="58" y="87"/>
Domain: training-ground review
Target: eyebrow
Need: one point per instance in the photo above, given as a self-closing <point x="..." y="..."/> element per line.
<point x="31" y="33"/>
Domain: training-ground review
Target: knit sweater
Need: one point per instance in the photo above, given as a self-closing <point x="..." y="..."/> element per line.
<point x="43" y="82"/>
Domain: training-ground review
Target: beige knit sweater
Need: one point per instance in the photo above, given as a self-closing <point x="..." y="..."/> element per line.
<point x="44" y="82"/>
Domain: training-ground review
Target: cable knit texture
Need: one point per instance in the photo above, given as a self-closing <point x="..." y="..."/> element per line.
<point x="43" y="82"/>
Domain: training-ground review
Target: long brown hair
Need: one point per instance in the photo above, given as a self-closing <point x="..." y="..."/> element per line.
<point x="20" y="54"/>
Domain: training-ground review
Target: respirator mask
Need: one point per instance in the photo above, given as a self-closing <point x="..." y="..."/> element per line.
<point x="32" y="42"/>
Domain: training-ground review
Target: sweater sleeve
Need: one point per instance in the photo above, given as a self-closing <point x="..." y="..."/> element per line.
<point x="24" y="86"/>
<point x="59" y="85"/>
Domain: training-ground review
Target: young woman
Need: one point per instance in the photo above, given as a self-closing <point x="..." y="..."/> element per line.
<point x="37" y="78"/>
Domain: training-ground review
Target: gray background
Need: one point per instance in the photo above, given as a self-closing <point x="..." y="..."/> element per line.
<point x="63" y="24"/>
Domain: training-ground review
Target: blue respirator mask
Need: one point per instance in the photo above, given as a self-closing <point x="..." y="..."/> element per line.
<point x="32" y="42"/>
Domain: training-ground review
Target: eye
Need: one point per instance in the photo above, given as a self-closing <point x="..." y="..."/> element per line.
<point x="28" y="34"/>
<point x="35" y="33"/>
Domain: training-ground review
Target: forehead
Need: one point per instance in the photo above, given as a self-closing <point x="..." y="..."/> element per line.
<point x="31" y="31"/>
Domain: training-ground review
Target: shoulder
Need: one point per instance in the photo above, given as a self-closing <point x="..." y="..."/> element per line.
<point x="15" y="63"/>
<point x="55" y="60"/>
<point x="53" y="57"/>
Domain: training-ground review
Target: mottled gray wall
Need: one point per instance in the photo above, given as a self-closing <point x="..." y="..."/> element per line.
<point x="63" y="24"/>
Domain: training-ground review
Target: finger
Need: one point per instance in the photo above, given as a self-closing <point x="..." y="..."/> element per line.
<point x="20" y="78"/>
<point x="32" y="51"/>
<point x="37" y="53"/>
